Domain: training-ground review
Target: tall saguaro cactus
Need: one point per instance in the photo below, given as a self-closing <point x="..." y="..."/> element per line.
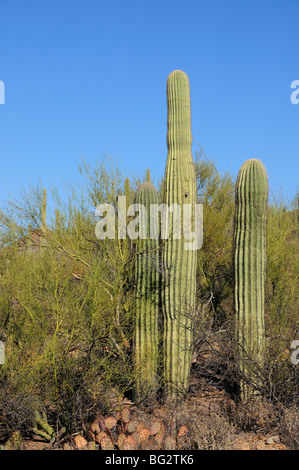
<point x="250" y="266"/>
<point x="147" y="298"/>
<point x="179" y="264"/>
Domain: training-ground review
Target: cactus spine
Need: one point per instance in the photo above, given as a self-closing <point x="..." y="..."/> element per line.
<point x="147" y="298"/>
<point x="179" y="264"/>
<point x="250" y="265"/>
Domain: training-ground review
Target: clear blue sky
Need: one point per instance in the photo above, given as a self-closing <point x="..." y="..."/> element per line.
<point x="87" y="78"/>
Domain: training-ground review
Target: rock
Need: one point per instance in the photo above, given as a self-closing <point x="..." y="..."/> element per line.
<point x="67" y="446"/>
<point x="273" y="439"/>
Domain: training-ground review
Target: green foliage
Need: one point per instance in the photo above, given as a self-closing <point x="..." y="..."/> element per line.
<point x="214" y="267"/>
<point x="282" y="266"/>
<point x="65" y="310"/>
<point x="282" y="298"/>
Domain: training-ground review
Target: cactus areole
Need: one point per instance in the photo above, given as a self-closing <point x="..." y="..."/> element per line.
<point x="179" y="265"/>
<point x="251" y="198"/>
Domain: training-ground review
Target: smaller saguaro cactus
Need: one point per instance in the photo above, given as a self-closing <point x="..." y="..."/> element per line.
<point x="251" y="197"/>
<point x="147" y="280"/>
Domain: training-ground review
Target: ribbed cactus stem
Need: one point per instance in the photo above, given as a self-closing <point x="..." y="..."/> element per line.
<point x="179" y="264"/>
<point x="251" y="198"/>
<point x="44" y="211"/>
<point x="147" y="280"/>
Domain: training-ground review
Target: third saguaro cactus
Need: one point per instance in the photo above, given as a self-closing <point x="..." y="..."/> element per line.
<point x="250" y="270"/>
<point x="179" y="264"/>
